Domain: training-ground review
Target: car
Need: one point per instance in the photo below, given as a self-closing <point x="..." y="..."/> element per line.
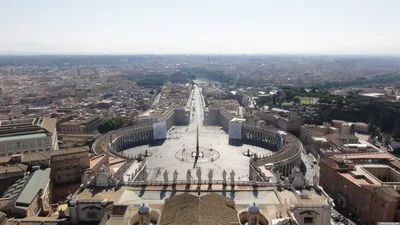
<point x="335" y="218"/>
<point x="345" y="221"/>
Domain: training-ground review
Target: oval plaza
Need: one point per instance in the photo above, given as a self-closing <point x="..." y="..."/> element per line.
<point x="184" y="162"/>
<point x="181" y="140"/>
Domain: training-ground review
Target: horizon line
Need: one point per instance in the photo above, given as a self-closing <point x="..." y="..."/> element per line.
<point x="204" y="54"/>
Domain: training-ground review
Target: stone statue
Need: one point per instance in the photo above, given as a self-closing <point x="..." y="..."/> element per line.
<point x="286" y="182"/>
<point x="255" y="157"/>
<point x="297" y="179"/>
<point x="145" y="175"/>
<point x="165" y="176"/>
<point x="224" y="176"/>
<point x="198" y="173"/>
<point x="175" y="177"/>
<point x="233" y="177"/>
<point x="210" y="175"/>
<point x="315" y="180"/>
<point x="189" y="176"/>
<point x="278" y="176"/>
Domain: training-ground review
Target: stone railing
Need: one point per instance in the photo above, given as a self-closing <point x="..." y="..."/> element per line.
<point x="121" y="171"/>
<point x="194" y="182"/>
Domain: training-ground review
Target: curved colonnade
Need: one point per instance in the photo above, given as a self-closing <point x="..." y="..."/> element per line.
<point x="287" y="148"/>
<point x="114" y="142"/>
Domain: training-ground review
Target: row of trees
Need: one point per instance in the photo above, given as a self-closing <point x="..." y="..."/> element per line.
<point x="110" y="124"/>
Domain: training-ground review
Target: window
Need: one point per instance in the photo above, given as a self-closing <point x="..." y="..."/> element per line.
<point x="308" y="220"/>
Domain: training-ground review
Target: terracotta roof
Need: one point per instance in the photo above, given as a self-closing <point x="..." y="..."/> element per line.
<point x="49" y="124"/>
<point x="366" y="156"/>
<point x="395" y="164"/>
<point x="43" y="156"/>
<point x="68" y="151"/>
<point x="189" y="209"/>
<point x="331" y="162"/>
<point x="386" y="193"/>
<point x="5" y="159"/>
<point x="13" y="168"/>
<point x="35" y="156"/>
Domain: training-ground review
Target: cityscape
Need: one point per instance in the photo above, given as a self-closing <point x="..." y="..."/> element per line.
<point x="200" y="113"/>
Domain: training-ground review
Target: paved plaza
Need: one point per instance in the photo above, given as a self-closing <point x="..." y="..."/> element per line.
<point x="175" y="153"/>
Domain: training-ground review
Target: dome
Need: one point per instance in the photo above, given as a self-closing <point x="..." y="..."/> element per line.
<point x="253" y="208"/>
<point x="144" y="208"/>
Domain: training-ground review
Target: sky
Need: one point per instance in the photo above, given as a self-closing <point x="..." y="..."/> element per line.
<point x="200" y="27"/>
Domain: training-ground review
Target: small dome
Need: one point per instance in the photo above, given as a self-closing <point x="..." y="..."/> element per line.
<point x="144" y="209"/>
<point x="253" y="208"/>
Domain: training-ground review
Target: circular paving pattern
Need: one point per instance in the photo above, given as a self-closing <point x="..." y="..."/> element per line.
<point x="205" y="155"/>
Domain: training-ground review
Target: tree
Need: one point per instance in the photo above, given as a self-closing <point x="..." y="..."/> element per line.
<point x="296" y="100"/>
<point x="110" y="124"/>
<point x="396" y="129"/>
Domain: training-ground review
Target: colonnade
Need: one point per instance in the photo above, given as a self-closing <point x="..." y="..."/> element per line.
<point x="130" y="138"/>
<point x="285" y="167"/>
<point x="272" y="141"/>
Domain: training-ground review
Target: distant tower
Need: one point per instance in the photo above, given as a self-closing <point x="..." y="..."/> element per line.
<point x="144" y="213"/>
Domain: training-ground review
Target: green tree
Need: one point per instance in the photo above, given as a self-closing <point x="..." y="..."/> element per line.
<point x="396" y="129"/>
<point x="274" y="100"/>
<point x="110" y="124"/>
<point x="296" y="100"/>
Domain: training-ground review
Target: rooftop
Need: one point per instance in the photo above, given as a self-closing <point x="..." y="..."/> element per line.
<point x="37" y="182"/>
<point x="13" y="168"/>
<point x="22" y="137"/>
<point x="190" y="209"/>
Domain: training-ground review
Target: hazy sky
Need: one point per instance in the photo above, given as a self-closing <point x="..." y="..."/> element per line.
<point x="200" y="26"/>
